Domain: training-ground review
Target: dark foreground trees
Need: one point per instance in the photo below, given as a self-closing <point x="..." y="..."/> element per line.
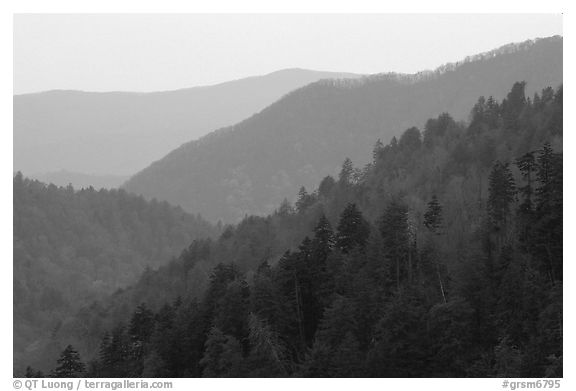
<point x="445" y="261"/>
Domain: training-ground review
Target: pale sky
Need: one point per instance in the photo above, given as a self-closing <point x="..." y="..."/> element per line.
<point x="113" y="52"/>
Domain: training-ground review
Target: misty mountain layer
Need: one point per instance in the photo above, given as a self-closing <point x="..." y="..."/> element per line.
<point x="250" y="167"/>
<point x="119" y="133"/>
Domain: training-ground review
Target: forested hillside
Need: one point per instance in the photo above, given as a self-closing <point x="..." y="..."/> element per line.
<point x="134" y="129"/>
<point x="440" y="258"/>
<point x="250" y="167"/>
<point x="74" y="246"/>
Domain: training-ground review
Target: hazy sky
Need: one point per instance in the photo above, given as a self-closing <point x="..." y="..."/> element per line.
<point x="147" y="52"/>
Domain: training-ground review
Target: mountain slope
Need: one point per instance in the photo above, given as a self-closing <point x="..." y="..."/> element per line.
<point x="134" y="128"/>
<point x="71" y="247"/>
<point x="251" y="166"/>
<point x="422" y="266"/>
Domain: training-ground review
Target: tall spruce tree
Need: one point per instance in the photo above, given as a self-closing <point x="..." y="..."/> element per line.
<point x="394" y="229"/>
<point x="502" y="192"/>
<point x="548" y="231"/>
<point x="346" y="173"/>
<point x="353" y="230"/>
<point x="69" y="364"/>
<point x="433" y="215"/>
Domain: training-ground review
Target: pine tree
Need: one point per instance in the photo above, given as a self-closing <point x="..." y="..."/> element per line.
<point x="548" y="228"/>
<point x="352" y="231"/>
<point x="69" y="364"/>
<point x="338" y="320"/>
<point x="513" y="105"/>
<point x="433" y="215"/>
<point x="377" y="150"/>
<point x="326" y="186"/>
<point x="527" y="166"/>
<point x="322" y="244"/>
<point x="394" y="229"/>
<point x="304" y="200"/>
<point x="114" y="353"/>
<point x="324" y="239"/>
<point x="289" y="280"/>
<point x="502" y="192"/>
<point x="450" y="328"/>
<point x="346" y="173"/>
<point x="140" y="331"/>
<point x="141" y="325"/>
<point x="549" y="174"/>
<point x="285" y="209"/>
<point x="33" y="373"/>
<point x="400" y="342"/>
<point x="556" y="122"/>
<point x="437" y="128"/>
<point x="266" y="349"/>
<point x="223" y="355"/>
<point x="410" y="140"/>
<point x="231" y="312"/>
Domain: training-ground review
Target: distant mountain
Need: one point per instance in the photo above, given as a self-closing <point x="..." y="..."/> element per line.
<point x="119" y="133"/>
<point x="250" y="167"/>
<point x="79" y="180"/>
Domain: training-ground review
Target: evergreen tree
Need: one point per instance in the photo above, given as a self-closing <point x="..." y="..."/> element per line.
<point x="69" y="364"/>
<point x="33" y="373"/>
<point x="304" y="200"/>
<point x="549" y="174"/>
<point x="513" y="105"/>
<point x="141" y="325"/>
<point x="433" y="215"/>
<point x="231" y="314"/>
<point x="400" y="345"/>
<point x="346" y="173"/>
<point x="394" y="229"/>
<point x="223" y="355"/>
<point x="326" y="186"/>
<point x="353" y="230"/>
<point x="437" y="128"/>
<point x="527" y="166"/>
<point x="114" y="356"/>
<point x="339" y="319"/>
<point x="410" y="140"/>
<point x="290" y="280"/>
<point x="324" y="239"/>
<point x="267" y="352"/>
<point x="502" y="192"/>
<point x="377" y="150"/>
<point x="264" y="300"/>
<point x="548" y="229"/>
<point x="285" y="208"/>
<point x="450" y="326"/>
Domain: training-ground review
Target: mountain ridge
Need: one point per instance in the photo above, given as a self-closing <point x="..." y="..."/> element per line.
<point x="198" y="87"/>
<point x="134" y="128"/>
<point x="325" y="114"/>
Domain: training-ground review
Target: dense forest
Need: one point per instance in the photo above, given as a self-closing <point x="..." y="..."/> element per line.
<point x="74" y="246"/>
<point x="440" y="258"/>
<point x="305" y="135"/>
